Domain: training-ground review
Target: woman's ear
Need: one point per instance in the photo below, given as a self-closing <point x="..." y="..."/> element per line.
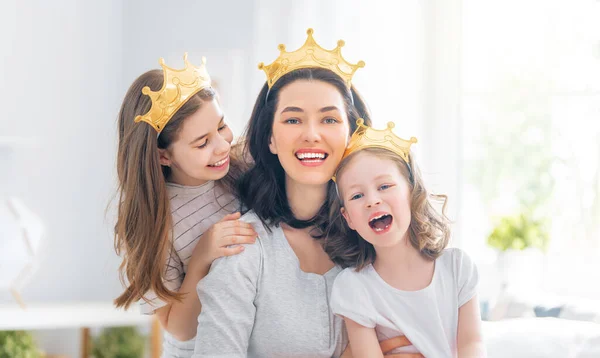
<point x="347" y="217"/>
<point x="272" y="146"/>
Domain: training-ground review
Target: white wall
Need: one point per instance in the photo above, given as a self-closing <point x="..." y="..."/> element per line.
<point x="61" y="82"/>
<point x="66" y="66"/>
<point x="219" y="30"/>
<point x="68" y="63"/>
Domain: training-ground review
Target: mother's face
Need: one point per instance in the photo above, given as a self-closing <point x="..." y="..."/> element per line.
<point x="310" y="131"/>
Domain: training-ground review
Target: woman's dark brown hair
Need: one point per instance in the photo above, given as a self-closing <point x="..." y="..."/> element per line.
<point x="144" y="225"/>
<point x="429" y="232"/>
<point x="262" y="187"/>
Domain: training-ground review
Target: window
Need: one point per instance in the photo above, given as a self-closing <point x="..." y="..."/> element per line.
<point x="530" y="130"/>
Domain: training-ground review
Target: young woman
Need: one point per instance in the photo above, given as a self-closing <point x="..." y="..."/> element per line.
<point x="272" y="300"/>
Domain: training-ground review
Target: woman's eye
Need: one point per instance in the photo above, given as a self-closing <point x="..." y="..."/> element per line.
<point x="222" y="127"/>
<point x="356" y="196"/>
<point x="292" y="121"/>
<point x="330" y="120"/>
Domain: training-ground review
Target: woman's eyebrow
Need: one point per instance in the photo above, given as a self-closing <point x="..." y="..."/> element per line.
<point x="329" y="108"/>
<point x="292" y="109"/>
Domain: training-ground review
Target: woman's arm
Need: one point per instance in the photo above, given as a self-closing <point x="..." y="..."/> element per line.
<point x="470" y="342"/>
<point x="227" y="295"/>
<point x="180" y="318"/>
<point x="363" y="340"/>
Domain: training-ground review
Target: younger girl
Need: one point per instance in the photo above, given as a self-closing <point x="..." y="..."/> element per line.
<point x="401" y="280"/>
<point x="175" y="214"/>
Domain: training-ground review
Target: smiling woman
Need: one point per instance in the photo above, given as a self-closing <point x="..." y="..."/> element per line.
<point x="273" y="299"/>
<point x="310" y="131"/>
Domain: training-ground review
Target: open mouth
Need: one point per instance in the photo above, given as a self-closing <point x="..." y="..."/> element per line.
<point x="220" y="163"/>
<point x="381" y="223"/>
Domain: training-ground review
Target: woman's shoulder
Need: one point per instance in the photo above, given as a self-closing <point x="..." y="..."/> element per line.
<point x="263" y="230"/>
<point x="249" y="259"/>
<point x="250" y="217"/>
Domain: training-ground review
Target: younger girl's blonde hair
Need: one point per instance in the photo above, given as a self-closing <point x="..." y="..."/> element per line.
<point x="429" y="231"/>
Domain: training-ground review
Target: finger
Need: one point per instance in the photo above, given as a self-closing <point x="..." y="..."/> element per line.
<point x="232" y="216"/>
<point x="233" y="223"/>
<point x="235" y="231"/>
<point x="230" y="251"/>
<point x="232" y="240"/>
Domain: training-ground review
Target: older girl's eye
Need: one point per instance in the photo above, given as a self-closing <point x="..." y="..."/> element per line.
<point x="203" y="144"/>
<point x="222" y="127"/>
<point x="292" y="121"/>
<point x="356" y="196"/>
<point x="330" y="120"/>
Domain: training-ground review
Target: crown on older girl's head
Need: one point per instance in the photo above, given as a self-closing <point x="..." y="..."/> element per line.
<point x="308" y="56"/>
<point x="178" y="87"/>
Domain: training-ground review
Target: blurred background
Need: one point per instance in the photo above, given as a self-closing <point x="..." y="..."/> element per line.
<point x="504" y="98"/>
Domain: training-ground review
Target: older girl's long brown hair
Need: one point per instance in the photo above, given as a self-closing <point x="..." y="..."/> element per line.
<point x="429" y="231"/>
<point x="144" y="225"/>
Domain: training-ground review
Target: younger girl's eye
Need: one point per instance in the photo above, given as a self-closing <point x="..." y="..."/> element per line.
<point x="385" y="186"/>
<point x="356" y="196"/>
<point x="330" y="120"/>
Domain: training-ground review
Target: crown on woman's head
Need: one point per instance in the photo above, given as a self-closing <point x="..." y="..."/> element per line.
<point x="367" y="137"/>
<point x="307" y="56"/>
<point x="178" y="87"/>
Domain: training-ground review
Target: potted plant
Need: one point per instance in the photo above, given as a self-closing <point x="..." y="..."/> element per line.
<point x="520" y="241"/>
<point x="119" y="342"/>
<point x="18" y="344"/>
<point x="519" y="233"/>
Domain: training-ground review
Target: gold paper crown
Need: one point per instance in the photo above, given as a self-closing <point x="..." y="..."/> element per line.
<point x="178" y="87"/>
<point x="307" y="56"/>
<point x="367" y="137"/>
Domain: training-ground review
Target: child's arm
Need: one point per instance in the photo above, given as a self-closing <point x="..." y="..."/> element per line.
<point x="363" y="340"/>
<point x="180" y="318"/>
<point x="470" y="341"/>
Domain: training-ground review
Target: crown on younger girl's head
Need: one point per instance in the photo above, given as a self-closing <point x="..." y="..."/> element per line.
<point x="307" y="56"/>
<point x="367" y="137"/>
<point x="178" y="87"/>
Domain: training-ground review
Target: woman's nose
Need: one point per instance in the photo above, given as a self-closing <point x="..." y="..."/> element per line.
<point x="312" y="132"/>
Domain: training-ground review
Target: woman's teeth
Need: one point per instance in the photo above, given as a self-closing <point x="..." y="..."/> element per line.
<point x="310" y="156"/>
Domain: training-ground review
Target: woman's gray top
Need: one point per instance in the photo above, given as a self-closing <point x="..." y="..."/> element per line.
<point x="260" y="304"/>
